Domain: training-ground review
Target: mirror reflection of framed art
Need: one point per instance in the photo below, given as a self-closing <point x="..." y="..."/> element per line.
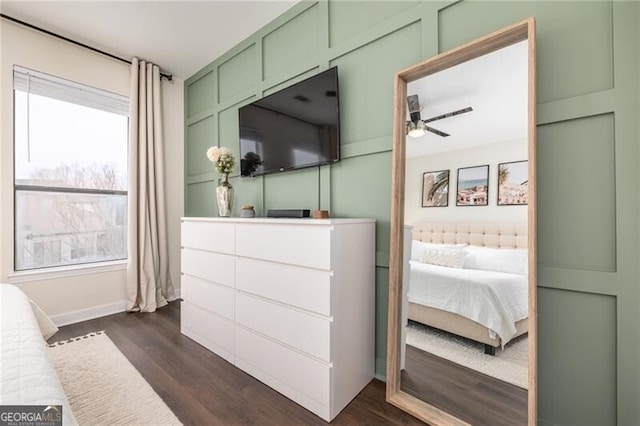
<point x="513" y="183"/>
<point x="435" y="189"/>
<point x="473" y="186"/>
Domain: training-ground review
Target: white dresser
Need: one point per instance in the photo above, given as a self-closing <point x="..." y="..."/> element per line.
<point x="289" y="301"/>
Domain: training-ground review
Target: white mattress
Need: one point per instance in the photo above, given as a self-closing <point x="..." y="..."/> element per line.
<point x="27" y="375"/>
<point x="494" y="299"/>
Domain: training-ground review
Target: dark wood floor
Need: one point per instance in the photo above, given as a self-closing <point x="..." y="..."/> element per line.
<point x="203" y="389"/>
<point x="469" y="395"/>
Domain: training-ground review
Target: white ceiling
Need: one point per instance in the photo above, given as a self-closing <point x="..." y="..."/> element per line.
<point x="180" y="36"/>
<point x="494" y="85"/>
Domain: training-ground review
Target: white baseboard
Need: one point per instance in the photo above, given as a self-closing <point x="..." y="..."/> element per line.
<point x="93" y="312"/>
<point x="89" y="313"/>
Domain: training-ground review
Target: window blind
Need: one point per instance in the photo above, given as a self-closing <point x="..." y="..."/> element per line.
<point x="42" y="84"/>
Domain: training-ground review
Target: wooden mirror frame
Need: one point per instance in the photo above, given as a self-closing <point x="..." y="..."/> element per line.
<point x="523" y="30"/>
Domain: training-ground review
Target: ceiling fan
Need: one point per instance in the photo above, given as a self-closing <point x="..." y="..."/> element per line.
<point x="417" y="127"/>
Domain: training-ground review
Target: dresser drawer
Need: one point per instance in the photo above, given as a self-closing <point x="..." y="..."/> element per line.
<point x="218" y="237"/>
<point x="302" y="331"/>
<point x="209" y="296"/>
<point x="305" y="288"/>
<point x="215" y="267"/>
<point x="293" y="244"/>
<point x="211" y="331"/>
<point x="307" y="376"/>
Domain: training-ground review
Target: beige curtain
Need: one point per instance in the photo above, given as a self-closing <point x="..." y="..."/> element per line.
<point x="149" y="285"/>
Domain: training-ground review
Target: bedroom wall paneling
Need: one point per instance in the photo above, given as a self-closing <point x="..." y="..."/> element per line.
<point x="587" y="78"/>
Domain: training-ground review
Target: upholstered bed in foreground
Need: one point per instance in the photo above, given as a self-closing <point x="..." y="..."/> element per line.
<point x="470" y="280"/>
<point x="27" y="374"/>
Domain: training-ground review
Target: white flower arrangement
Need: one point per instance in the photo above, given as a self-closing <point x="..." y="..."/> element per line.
<point x="222" y="159"/>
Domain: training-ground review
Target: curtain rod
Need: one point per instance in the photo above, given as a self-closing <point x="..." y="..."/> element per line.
<point x="168" y="76"/>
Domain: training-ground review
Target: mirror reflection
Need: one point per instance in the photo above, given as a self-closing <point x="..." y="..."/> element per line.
<point x="464" y="340"/>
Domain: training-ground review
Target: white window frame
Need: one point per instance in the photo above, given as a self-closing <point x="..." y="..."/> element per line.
<point x="35" y="82"/>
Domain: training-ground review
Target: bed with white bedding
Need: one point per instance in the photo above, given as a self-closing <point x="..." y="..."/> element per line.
<point x="27" y="374"/>
<point x="470" y="280"/>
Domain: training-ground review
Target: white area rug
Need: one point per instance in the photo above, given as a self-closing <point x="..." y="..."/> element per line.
<point x="509" y="365"/>
<point x="103" y="387"/>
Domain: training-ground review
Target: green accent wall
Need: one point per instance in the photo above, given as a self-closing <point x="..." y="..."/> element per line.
<point x="588" y="111"/>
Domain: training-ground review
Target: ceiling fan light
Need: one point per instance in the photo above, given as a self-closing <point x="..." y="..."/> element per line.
<point x="416" y="130"/>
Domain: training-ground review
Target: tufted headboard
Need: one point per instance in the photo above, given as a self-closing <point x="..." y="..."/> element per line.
<point x="508" y="236"/>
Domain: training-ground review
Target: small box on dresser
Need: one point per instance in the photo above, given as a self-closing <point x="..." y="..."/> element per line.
<point x="289" y="301"/>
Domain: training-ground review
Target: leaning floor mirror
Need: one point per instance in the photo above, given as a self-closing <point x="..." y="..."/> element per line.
<point x="462" y="290"/>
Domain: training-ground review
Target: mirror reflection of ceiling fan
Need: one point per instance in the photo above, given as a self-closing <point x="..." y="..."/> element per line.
<point x="417" y="127"/>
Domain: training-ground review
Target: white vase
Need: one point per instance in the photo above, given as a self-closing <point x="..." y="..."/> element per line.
<point x="224" y="196"/>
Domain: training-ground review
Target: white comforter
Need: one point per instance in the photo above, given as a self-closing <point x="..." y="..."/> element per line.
<point x="27" y="375"/>
<point x="494" y="299"/>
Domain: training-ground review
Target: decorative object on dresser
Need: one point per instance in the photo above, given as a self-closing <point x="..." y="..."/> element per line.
<point x="289" y="301"/>
<point x="247" y="211"/>
<point x="320" y="214"/>
<point x="290" y="213"/>
<point x="224" y="161"/>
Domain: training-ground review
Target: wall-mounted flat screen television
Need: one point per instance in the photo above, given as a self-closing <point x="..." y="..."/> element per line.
<point x="294" y="128"/>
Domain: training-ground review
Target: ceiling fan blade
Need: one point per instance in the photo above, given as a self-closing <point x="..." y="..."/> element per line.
<point x="414" y="108"/>
<point x="449" y="114"/>
<point x="413" y="103"/>
<point x="436" y="131"/>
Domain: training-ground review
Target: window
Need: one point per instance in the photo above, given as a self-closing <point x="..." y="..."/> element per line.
<point x="70" y="175"/>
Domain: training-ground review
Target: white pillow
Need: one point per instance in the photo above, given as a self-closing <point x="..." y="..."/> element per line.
<point x="418" y="248"/>
<point x="47" y="327"/>
<point x="510" y="261"/>
<point x="453" y="257"/>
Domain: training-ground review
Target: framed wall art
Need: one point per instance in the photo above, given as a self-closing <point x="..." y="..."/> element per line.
<point x="435" y="189"/>
<point x="513" y="180"/>
<point x="473" y="186"/>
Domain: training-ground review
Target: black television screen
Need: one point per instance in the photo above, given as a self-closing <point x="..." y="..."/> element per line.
<point x="293" y="128"/>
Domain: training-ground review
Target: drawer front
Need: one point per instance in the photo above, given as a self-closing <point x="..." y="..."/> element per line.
<point x="308" y="333"/>
<point x="293" y="244"/>
<point x="308" y="289"/>
<point x="218" y="237"/>
<point x="303" y="374"/>
<point x="211" y="331"/>
<point x="215" y="267"/>
<point x="211" y="297"/>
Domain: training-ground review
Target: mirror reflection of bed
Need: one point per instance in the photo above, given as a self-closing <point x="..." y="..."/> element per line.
<point x="465" y="283"/>
<point x="467" y="313"/>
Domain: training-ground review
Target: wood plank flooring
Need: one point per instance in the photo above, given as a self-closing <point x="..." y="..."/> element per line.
<point x="203" y="389"/>
<point x="472" y="396"/>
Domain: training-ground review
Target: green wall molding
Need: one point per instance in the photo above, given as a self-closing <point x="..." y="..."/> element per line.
<point x="366" y="147"/>
<point x="580" y="280"/>
<point x="195" y="118"/>
<point x="357" y="42"/>
<point x="588" y="160"/>
<point x="577" y="107"/>
<point x="244" y="97"/>
<point x="288" y="77"/>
